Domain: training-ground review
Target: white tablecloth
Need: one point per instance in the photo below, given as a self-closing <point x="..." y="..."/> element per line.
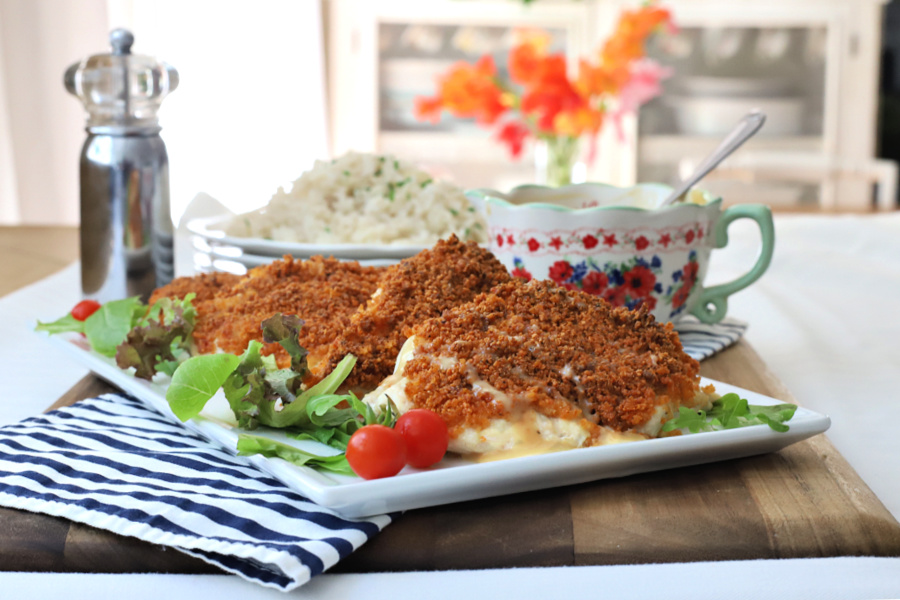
<point x="824" y="317"/>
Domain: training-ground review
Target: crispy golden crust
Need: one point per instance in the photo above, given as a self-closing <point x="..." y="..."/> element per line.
<point x="204" y="285"/>
<point x="324" y="292"/>
<point x="565" y="353"/>
<point x="419" y="288"/>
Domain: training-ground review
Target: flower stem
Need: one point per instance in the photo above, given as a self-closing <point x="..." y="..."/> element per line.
<point x="556" y="159"/>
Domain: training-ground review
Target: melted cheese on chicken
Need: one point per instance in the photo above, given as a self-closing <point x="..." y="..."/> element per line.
<point x="526" y="432"/>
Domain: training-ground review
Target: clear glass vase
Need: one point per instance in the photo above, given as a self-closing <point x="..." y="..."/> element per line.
<point x="557" y="161"/>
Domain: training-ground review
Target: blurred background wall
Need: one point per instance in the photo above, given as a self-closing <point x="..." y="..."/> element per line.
<point x="267" y="87"/>
<point x="249" y="113"/>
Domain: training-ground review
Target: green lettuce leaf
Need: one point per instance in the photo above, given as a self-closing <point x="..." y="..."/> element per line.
<point x="109" y="325"/>
<point x="197" y="380"/>
<point x="729" y="412"/>
<point x="62" y="325"/>
<point x="251" y="444"/>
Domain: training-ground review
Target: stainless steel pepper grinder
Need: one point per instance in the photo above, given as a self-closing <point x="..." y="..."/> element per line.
<point x="126" y="223"/>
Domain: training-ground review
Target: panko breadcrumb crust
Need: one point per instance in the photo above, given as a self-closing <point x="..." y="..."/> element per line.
<point x="565" y="353"/>
<point x="204" y="285"/>
<point x="418" y="288"/>
<point x="323" y="292"/>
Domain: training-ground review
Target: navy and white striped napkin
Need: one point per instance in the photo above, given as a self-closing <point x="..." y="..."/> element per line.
<point x="702" y="341"/>
<point x="116" y="464"/>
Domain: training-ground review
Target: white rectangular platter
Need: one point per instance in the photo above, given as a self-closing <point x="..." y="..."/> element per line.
<point x="455" y="479"/>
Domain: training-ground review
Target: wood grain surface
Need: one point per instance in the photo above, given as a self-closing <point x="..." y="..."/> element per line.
<point x="803" y="501"/>
<point x="32" y="253"/>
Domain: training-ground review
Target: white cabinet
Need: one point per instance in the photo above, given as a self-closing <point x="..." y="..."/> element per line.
<point x="812" y="65"/>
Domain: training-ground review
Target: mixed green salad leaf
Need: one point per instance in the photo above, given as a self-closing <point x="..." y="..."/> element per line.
<point x="261" y="394"/>
<point x="249" y="445"/>
<point x="729" y="412"/>
<point x="149" y="339"/>
<point x="160" y="341"/>
<point x="157" y="339"/>
<point x="106" y="328"/>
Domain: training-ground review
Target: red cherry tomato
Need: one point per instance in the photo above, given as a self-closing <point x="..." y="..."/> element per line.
<point x="84" y="309"/>
<point x="376" y="451"/>
<point x="426" y="437"/>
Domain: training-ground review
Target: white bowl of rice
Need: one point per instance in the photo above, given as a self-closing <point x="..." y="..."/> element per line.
<point x="362" y="200"/>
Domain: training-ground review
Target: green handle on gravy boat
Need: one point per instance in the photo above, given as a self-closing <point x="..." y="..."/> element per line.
<point x="713" y="302"/>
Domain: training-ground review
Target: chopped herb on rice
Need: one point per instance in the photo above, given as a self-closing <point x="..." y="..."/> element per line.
<point x="351" y="199"/>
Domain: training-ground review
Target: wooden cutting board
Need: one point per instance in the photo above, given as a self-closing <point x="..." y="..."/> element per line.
<point x="802" y="502"/>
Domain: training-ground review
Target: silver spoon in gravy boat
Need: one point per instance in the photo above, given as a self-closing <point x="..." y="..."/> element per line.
<point x="744" y="130"/>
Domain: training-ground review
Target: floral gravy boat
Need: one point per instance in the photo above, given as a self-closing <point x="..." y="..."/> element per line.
<point x="615" y="243"/>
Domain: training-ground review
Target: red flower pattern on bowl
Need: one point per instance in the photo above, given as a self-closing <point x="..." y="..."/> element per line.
<point x="622" y="249"/>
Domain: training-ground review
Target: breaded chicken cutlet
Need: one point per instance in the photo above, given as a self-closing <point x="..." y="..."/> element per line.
<point x="535" y="367"/>
<point x="418" y="288"/>
<point x="205" y="286"/>
<point x="323" y="292"/>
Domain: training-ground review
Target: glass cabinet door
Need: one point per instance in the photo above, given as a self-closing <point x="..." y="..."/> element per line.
<point x="720" y="74"/>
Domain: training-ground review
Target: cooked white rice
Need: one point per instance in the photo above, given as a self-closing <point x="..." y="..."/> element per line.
<point x="364" y="199"/>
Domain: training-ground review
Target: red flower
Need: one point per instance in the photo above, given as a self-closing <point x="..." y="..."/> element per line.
<point x="521" y="273"/>
<point x="595" y="283"/>
<point x="689" y="236"/>
<point x="641" y="243"/>
<point x="639" y="281"/>
<point x="589" y="241"/>
<point x="665" y="240"/>
<point x="681" y="296"/>
<point x="551" y="94"/>
<point x="560" y="271"/>
<point x="690" y="272"/>
<point x="513" y="134"/>
<point x="556" y="243"/>
<point x="499" y="240"/>
<point x="534" y="245"/>
<point x="510" y="239"/>
<point x="699" y="233"/>
<point x="610" y="240"/>
<point x="615" y="295"/>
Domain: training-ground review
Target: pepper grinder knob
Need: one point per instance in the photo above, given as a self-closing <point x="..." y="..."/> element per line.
<point x="121" y="41"/>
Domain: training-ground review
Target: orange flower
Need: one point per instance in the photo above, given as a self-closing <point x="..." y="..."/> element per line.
<point x="634" y="27"/>
<point x="596" y="80"/>
<point x="429" y="108"/>
<point x="526" y="55"/>
<point x="467" y="91"/>
<point x="578" y="122"/>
